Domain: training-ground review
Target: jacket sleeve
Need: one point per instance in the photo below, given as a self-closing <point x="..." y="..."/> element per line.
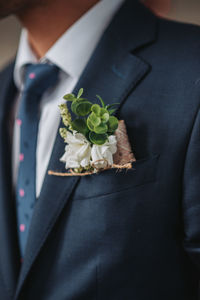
<point x="191" y="195"/>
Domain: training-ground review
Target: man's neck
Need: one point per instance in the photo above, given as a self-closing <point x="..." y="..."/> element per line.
<point x="47" y="22"/>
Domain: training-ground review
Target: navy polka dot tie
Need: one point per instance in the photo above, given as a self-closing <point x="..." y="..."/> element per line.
<point x="38" y="78"/>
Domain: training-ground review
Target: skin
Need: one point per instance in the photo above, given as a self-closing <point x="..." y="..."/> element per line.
<point x="8" y="7"/>
<point x="45" y="20"/>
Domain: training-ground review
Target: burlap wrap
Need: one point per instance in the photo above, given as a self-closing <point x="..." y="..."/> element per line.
<point x="124" y="152"/>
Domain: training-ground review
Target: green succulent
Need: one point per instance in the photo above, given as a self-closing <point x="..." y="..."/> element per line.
<point x="96" y="122"/>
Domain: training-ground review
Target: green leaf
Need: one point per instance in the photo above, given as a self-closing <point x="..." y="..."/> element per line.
<point x="105" y="117"/>
<point x="90" y="125"/>
<point x="83" y="108"/>
<point x="69" y="97"/>
<point x="80" y="93"/>
<point x="80" y="126"/>
<point x="112" y="111"/>
<point x="74" y="106"/>
<point x="81" y="99"/>
<point x="103" y="111"/>
<point x="112" y="124"/>
<point x="102" y="128"/>
<point x="111" y="105"/>
<point x="98" y="139"/>
<point x="96" y="109"/>
<point x="94" y="119"/>
<point x="101" y="100"/>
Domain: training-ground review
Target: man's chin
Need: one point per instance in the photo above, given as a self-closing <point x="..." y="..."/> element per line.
<point x="15" y="7"/>
<point x="3" y="16"/>
<point x="6" y="13"/>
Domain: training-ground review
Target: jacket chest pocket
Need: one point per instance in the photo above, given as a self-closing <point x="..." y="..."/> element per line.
<point x="111" y="181"/>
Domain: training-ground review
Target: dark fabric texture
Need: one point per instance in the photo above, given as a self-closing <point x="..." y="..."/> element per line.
<point x="38" y="79"/>
<point x="127" y="235"/>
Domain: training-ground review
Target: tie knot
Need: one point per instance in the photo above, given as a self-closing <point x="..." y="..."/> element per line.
<point x="40" y="77"/>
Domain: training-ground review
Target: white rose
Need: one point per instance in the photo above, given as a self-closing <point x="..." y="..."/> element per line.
<point x="77" y="152"/>
<point x="102" y="156"/>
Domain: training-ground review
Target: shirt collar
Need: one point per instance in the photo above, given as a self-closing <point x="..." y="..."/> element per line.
<point x="25" y="56"/>
<point x="74" y="48"/>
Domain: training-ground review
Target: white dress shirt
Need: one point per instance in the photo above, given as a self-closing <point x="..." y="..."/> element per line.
<point x="71" y="54"/>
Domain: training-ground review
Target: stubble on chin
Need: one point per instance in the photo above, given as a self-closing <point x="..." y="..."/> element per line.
<point x="17" y="7"/>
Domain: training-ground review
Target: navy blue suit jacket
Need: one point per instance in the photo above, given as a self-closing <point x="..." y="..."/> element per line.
<point x="118" y="236"/>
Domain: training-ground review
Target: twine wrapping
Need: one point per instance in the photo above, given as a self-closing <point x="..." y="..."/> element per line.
<point x="72" y="173"/>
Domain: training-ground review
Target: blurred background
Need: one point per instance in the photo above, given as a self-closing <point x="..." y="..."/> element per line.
<point x="181" y="10"/>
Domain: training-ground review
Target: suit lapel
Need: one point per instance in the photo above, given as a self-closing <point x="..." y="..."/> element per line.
<point x="112" y="72"/>
<point x="9" y="252"/>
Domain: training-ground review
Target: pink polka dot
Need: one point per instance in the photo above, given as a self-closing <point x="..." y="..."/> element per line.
<point x="21" y="193"/>
<point x="19" y="122"/>
<point x="32" y="75"/>
<point x="21" y="157"/>
<point x="22" y="227"/>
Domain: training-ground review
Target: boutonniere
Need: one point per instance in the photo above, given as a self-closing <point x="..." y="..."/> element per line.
<point x="95" y="139"/>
